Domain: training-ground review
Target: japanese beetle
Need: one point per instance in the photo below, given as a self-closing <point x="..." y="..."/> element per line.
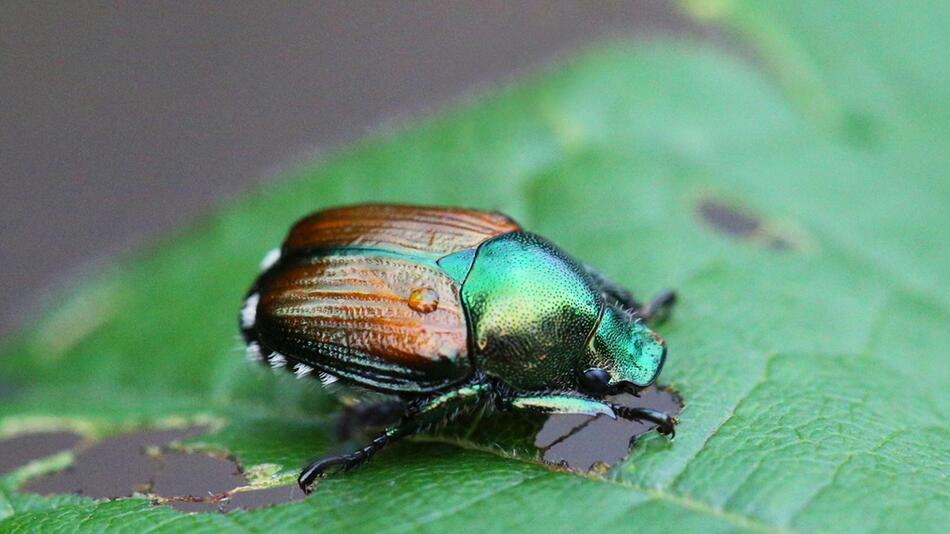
<point x="447" y="310"/>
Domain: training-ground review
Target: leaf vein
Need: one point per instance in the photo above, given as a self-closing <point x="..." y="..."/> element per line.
<point x="837" y="472"/>
<point x="742" y="398"/>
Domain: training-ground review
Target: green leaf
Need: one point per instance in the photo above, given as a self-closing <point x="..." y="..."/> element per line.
<point x="810" y="346"/>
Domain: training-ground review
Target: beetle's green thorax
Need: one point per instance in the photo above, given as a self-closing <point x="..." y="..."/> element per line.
<point x="626" y="349"/>
<point x="532" y="310"/>
<point x="537" y="320"/>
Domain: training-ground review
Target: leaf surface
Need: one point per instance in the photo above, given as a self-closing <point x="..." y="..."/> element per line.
<point x="810" y="343"/>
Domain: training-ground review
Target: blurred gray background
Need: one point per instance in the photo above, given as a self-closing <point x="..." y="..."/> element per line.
<point x="121" y="121"/>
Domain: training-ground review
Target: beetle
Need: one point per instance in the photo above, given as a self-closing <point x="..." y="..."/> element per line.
<point x="448" y="310"/>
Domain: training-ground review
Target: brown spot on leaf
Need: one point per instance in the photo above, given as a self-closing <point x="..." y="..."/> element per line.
<point x="780" y="244"/>
<point x="727" y="219"/>
<point x="739" y="223"/>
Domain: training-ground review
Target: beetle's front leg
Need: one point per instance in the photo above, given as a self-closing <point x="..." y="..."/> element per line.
<point x="419" y="415"/>
<point x="611" y="289"/>
<point x="656" y="310"/>
<point x="573" y="403"/>
<point x="348" y="461"/>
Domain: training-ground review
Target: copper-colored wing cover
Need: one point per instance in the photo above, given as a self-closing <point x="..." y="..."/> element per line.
<point x="424" y="231"/>
<point x="358" y="295"/>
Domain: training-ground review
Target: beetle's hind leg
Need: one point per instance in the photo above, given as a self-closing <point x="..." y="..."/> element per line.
<point x="419" y="415"/>
<point x="345" y="462"/>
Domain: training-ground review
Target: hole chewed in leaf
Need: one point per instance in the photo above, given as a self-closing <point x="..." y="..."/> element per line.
<point x="239" y="500"/>
<point x="584" y="443"/>
<point x="195" y="475"/>
<point x="21" y="450"/>
<point x="112" y="468"/>
<point x="142" y="463"/>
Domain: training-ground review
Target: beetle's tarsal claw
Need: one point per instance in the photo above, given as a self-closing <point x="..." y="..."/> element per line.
<point x="306" y="480"/>
<point x="668" y="429"/>
<point x="312" y="472"/>
<point x="665" y="424"/>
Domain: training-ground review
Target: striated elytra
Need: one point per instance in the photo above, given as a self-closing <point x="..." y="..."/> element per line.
<point x="446" y="310"/>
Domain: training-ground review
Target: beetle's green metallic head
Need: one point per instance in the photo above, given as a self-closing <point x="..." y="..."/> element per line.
<point x="629" y="354"/>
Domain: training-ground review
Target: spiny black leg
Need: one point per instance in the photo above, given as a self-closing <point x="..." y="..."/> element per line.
<point x="420" y="413"/>
<point x="657" y="309"/>
<point x="665" y="423"/>
<point x="354" y="459"/>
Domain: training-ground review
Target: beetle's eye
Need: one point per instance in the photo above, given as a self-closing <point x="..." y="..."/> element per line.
<point x="595" y="380"/>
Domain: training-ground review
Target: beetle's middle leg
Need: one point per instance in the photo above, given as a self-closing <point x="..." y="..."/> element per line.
<point x="419" y="415"/>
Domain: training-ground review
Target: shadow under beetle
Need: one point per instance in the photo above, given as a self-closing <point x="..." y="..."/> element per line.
<point x="448" y="310"/>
